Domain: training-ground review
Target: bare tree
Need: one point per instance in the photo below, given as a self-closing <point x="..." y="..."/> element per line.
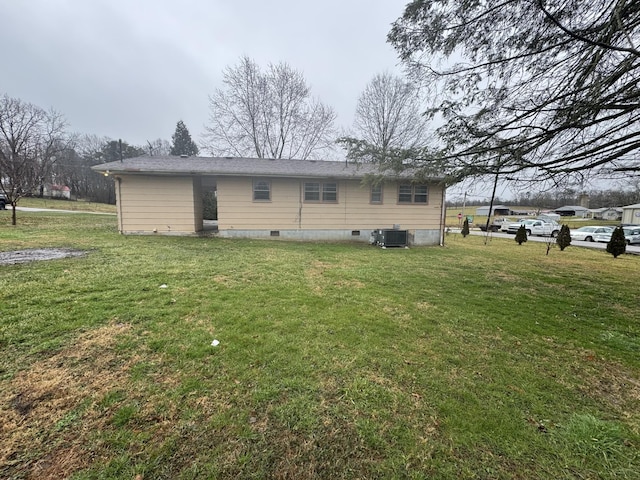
<point x="30" y="141"/>
<point x="389" y="114"/>
<point x="74" y="169"/>
<point x="529" y="86"/>
<point x="158" y="147"/>
<point x="267" y="115"/>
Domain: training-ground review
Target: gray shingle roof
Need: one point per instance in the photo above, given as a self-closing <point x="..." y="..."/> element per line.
<point x="574" y="208"/>
<point x="227" y="166"/>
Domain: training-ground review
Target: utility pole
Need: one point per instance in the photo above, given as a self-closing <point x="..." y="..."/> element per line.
<point x="493" y="195"/>
<point x="464" y="202"/>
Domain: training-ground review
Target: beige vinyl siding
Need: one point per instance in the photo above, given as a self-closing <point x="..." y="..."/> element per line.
<point x="286" y="210"/>
<point x="237" y="210"/>
<point x="198" y="205"/>
<point x="165" y="204"/>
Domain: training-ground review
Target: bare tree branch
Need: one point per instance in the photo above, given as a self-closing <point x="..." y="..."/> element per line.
<point x="30" y="141"/>
<point x="267" y="115"/>
<point x="553" y="86"/>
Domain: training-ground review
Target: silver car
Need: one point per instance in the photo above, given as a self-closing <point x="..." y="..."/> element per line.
<point x="631" y="234"/>
<point x="588" y="234"/>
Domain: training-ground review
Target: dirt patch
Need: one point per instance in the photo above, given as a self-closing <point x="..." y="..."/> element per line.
<point x="24" y="256"/>
<point x="38" y="405"/>
<point x="607" y="382"/>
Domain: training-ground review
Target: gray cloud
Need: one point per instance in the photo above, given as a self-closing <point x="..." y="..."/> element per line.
<point x="132" y="69"/>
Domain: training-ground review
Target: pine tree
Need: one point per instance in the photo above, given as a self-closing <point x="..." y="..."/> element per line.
<point x="564" y="237"/>
<point x="465" y="228"/>
<point x="181" y="142"/>
<point x="618" y="243"/>
<point x="521" y="235"/>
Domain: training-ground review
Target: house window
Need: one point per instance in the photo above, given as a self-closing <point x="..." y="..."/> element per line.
<point x="376" y="193"/>
<point x="311" y="192"/>
<point x="330" y="192"/>
<point x="412" y="193"/>
<point x="320" y="192"/>
<point x="261" y="190"/>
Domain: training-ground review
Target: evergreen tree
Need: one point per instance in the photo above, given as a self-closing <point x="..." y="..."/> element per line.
<point x="521" y="235"/>
<point x="465" y="228"/>
<point x="618" y="243"/>
<point x="181" y="142"/>
<point x="564" y="237"/>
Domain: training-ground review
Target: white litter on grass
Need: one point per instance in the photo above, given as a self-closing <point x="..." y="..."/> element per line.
<point x="215" y="343"/>
<point x="164" y="285"/>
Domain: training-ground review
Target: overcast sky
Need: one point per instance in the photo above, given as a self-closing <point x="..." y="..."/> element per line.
<point x="131" y="69"/>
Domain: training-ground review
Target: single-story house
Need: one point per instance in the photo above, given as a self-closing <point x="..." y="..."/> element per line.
<point x="496" y="210"/>
<point x="631" y="214"/>
<point x="264" y="198"/>
<point x="572" y="211"/>
<point x="610" y="213"/>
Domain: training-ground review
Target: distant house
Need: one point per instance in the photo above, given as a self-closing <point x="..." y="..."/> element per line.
<point x="572" y="211"/>
<point x="610" y="213"/>
<point x="631" y="214"/>
<point x="57" y="191"/>
<point x="495" y="210"/>
<point x="263" y="198"/>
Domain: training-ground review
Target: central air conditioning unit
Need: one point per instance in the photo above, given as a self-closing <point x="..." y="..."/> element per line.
<point x="390" y="238"/>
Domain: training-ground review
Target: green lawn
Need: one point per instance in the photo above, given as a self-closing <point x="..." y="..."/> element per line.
<point x="471" y="361"/>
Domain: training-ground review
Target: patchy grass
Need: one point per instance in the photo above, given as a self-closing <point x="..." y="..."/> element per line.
<point x="335" y="360"/>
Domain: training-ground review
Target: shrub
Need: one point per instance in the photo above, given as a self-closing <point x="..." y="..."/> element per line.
<point x="210" y="206"/>
<point x="618" y="243"/>
<point x="465" y="227"/>
<point x="521" y="235"/>
<point x="564" y="237"/>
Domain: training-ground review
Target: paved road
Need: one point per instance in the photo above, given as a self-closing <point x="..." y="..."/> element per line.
<point x="632" y="249"/>
<point x="31" y="209"/>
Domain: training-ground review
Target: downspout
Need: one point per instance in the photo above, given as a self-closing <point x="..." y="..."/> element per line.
<point x="300" y="196"/>
<point x="119" y="205"/>
<point x="443" y="215"/>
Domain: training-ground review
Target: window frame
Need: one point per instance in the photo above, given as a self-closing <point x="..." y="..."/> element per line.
<point x="257" y="181"/>
<point x="326" y="192"/>
<point x="410" y="191"/>
<point x="322" y="192"/>
<point x="379" y="186"/>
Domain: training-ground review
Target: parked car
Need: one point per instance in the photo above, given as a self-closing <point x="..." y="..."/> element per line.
<point x="3" y="201"/>
<point x="588" y="233"/>
<point x="631" y="234"/>
<point x="496" y="225"/>
<point x="536" y="227"/>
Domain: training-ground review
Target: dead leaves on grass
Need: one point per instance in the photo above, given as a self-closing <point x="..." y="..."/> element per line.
<point x="605" y="381"/>
<point x="38" y="403"/>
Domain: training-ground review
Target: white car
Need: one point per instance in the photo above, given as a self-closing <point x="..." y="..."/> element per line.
<point x="588" y="234"/>
<point x="631" y="234"/>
